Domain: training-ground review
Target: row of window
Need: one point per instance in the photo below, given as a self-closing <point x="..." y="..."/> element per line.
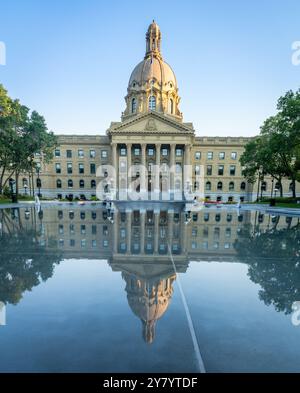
<point x="216" y="231"/>
<point x="83" y="243"/>
<point x="221" y="155"/>
<point x="152" y="104"/>
<point x="81" y="153"/>
<point x="231" y="186"/>
<point x="60" y="215"/>
<point x="70" y="168"/>
<point x="83" y="229"/>
<point x="71" y="183"/>
<point x="151" y="152"/>
<point x="206" y="217"/>
<point x="204" y="245"/>
<point x="221" y="171"/>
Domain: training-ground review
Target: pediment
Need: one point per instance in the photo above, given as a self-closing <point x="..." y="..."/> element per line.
<point x="150" y="123"/>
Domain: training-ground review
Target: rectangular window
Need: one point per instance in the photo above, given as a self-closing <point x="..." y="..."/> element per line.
<point x="197" y="169"/>
<point x="178" y="167"/>
<point x="198" y="155"/>
<point x="81" y="168"/>
<point x="234" y="155"/>
<point x="178" y="152"/>
<point x="105" y="243"/>
<point x="80" y="153"/>
<point x="82" y="229"/>
<point x="210" y="155"/>
<point x="57" y="153"/>
<point x="222" y="155"/>
<point x="150" y="152"/>
<point x="92" y="153"/>
<point x="221" y="170"/>
<point x="94" y="229"/>
<point x="103" y="153"/>
<point x="93" y="169"/>
<point x="232" y="170"/>
<point x="164" y="152"/>
<point x="69" y="153"/>
<point x="209" y="170"/>
<point x="123" y="151"/>
<point x="57" y="168"/>
<point x="137" y="151"/>
<point x="69" y="168"/>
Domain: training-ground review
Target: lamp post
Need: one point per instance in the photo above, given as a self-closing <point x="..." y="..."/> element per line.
<point x="13" y="190"/>
<point x="38" y="181"/>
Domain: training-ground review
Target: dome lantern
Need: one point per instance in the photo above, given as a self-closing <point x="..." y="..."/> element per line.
<point x="153" y="41"/>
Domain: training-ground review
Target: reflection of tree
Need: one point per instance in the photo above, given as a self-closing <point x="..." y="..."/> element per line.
<point x="24" y="263"/>
<point x="274" y="263"/>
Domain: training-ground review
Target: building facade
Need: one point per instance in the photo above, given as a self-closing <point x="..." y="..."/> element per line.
<point x="151" y="153"/>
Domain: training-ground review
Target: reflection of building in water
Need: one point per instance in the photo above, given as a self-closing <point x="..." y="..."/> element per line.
<point x="88" y="231"/>
<point x="137" y="242"/>
<point x="149" y="288"/>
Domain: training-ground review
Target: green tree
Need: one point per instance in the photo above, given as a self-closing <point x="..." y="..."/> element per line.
<point x="276" y="151"/>
<point x="22" y="135"/>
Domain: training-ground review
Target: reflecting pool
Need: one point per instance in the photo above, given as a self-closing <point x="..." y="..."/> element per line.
<point x="148" y="288"/>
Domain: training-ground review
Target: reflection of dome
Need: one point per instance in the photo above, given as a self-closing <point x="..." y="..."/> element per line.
<point x="152" y="84"/>
<point x="149" y="300"/>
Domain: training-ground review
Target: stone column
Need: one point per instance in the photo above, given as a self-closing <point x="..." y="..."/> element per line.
<point x="142" y="220"/>
<point x="143" y="172"/>
<point x="187" y="179"/>
<point x="170" y="228"/>
<point x="128" y="230"/>
<point x="172" y="170"/>
<point x="156" y="230"/>
<point x="115" y="166"/>
<point x="157" y="171"/>
<point x="116" y="231"/>
<point x="128" y="148"/>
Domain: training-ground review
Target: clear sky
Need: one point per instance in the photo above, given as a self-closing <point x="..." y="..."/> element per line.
<point x="71" y="59"/>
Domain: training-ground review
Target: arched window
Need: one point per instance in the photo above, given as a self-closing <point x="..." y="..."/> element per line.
<point x="264" y="186"/>
<point x="208" y="186"/>
<point x="152" y="103"/>
<point x="81" y="183"/>
<point x="231" y="186"/>
<point x="93" y="183"/>
<point x="220" y="185"/>
<point x="70" y="183"/>
<point x="133" y="105"/>
<point x="58" y="183"/>
<point x="243" y="186"/>
<point x="171" y="106"/>
<point x="25" y="182"/>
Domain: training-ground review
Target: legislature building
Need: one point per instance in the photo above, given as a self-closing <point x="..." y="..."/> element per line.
<point x="151" y="152"/>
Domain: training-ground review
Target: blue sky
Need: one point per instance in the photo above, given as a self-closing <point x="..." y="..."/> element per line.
<point x="71" y="60"/>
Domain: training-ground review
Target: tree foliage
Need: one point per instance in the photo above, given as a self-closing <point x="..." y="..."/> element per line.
<point x="22" y="135"/>
<point x="276" y="151"/>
